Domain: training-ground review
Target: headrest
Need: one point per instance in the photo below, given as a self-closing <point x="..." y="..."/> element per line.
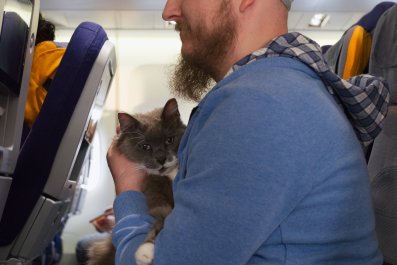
<point x="369" y="20"/>
<point x="13" y="43"/>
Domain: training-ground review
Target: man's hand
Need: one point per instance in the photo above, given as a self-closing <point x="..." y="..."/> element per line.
<point x="127" y="175"/>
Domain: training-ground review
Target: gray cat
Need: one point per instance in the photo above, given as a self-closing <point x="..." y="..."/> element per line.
<point x="151" y="139"/>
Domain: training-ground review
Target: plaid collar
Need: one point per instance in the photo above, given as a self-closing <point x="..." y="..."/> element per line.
<point x="364" y="98"/>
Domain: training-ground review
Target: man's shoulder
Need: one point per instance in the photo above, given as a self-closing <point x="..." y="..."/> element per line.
<point x="275" y="77"/>
<point x="279" y="69"/>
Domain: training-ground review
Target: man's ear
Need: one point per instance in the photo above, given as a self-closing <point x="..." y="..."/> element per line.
<point x="246" y="4"/>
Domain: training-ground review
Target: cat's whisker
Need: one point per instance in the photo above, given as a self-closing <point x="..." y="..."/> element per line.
<point x="140" y="142"/>
<point x="141" y="168"/>
<point x="149" y="165"/>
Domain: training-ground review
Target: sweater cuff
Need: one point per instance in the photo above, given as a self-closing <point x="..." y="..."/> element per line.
<point x="128" y="203"/>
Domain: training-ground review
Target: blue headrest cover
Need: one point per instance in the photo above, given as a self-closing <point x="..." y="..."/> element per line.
<point x="369" y="20"/>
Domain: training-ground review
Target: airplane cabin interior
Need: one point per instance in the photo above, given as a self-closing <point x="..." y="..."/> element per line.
<point x="54" y="178"/>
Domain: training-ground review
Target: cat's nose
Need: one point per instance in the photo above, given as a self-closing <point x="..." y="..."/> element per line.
<point x="160" y="157"/>
<point x="160" y="160"/>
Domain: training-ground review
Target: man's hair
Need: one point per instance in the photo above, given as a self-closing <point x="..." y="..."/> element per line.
<point x="45" y="30"/>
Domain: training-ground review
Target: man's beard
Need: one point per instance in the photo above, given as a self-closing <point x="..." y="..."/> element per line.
<point x="195" y="72"/>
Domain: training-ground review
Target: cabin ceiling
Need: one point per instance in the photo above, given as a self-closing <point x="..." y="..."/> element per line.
<point x="146" y="14"/>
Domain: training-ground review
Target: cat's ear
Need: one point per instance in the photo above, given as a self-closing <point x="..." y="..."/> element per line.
<point x="127" y="121"/>
<point x="170" y="110"/>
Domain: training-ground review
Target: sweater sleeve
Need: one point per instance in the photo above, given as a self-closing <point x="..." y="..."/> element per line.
<point x="133" y="223"/>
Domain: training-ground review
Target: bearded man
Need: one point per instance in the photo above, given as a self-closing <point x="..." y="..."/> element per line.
<point x="271" y="166"/>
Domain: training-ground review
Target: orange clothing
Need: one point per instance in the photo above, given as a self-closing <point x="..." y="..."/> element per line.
<point x="46" y="59"/>
<point x="358" y="53"/>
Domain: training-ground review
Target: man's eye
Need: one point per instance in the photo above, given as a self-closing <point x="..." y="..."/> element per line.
<point x="170" y="140"/>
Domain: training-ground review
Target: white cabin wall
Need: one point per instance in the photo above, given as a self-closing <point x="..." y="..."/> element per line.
<point x="323" y="37"/>
<point x="144" y="58"/>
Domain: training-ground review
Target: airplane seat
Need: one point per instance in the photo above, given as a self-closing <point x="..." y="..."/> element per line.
<point x="16" y="42"/>
<point x="370" y="20"/>
<point x="369" y="46"/>
<point x="43" y="185"/>
<point x="382" y="165"/>
<point x="350" y="55"/>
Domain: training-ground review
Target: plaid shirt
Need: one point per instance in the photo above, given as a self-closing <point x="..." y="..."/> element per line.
<point x="364" y="98"/>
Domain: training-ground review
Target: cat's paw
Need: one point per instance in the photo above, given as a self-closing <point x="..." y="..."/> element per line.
<point x="145" y="254"/>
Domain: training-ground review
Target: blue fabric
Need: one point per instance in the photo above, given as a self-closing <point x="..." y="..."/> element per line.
<point x="270" y="173"/>
<point x="369" y="20"/>
<point x="39" y="150"/>
<point x="364" y="98"/>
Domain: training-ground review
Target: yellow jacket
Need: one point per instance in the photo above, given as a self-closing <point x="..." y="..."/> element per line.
<point x="46" y="59"/>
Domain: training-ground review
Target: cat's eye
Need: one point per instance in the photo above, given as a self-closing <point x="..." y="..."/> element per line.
<point x="146" y="147"/>
<point x="170" y="140"/>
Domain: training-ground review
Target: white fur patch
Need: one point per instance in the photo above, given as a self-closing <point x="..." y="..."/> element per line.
<point x="172" y="174"/>
<point x="145" y="254"/>
<point x="171" y="169"/>
<point x="172" y="163"/>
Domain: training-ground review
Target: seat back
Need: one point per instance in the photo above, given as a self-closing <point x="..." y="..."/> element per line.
<point x="350" y="55"/>
<point x="382" y="164"/>
<point x="369" y="46"/>
<point x="50" y="160"/>
<point x="16" y="41"/>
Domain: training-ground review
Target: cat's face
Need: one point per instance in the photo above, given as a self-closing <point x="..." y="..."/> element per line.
<point x="152" y="139"/>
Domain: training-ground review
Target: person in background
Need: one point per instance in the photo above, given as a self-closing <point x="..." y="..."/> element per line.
<point x="103" y="225"/>
<point x="271" y="169"/>
<point x="46" y="58"/>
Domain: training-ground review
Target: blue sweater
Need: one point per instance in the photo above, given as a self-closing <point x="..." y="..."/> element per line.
<point x="270" y="172"/>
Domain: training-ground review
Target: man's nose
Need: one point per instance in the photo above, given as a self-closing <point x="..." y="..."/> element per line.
<point x="171" y="11"/>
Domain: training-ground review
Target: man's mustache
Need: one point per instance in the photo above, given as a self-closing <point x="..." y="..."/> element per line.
<point x="180" y="26"/>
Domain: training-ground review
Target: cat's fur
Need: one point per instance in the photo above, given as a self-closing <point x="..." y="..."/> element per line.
<point x="150" y="139"/>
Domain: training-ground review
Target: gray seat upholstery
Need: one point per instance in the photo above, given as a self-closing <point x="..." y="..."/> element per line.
<point x="382" y="164"/>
